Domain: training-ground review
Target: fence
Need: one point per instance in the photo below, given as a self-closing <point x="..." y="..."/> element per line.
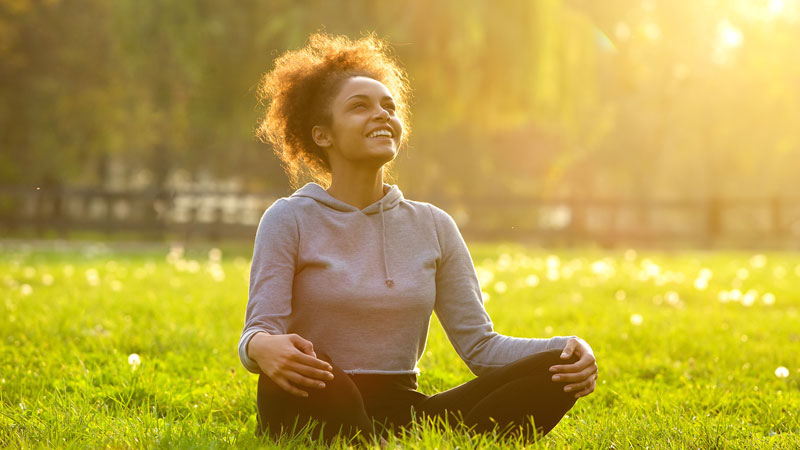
<point x="756" y="222"/>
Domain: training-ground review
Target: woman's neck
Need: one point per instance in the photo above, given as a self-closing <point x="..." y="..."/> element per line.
<point x="359" y="189"/>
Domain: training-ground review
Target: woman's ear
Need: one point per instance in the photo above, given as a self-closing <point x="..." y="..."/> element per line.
<point x="321" y="136"/>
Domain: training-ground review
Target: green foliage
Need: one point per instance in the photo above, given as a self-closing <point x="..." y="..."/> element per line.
<point x="679" y="368"/>
<point x="613" y="98"/>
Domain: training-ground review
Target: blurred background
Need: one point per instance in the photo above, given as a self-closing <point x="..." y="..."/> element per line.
<point x="561" y="122"/>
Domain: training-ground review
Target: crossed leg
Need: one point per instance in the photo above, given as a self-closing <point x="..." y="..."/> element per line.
<point x="339" y="407"/>
<point x="507" y="397"/>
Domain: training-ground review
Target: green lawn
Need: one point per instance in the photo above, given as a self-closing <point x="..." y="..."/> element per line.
<point x="696" y="350"/>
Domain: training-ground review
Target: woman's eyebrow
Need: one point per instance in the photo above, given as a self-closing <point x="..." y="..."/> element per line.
<point x="385" y="97"/>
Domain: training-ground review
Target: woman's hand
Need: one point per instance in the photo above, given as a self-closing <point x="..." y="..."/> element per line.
<point x="289" y="361"/>
<point x="582" y="374"/>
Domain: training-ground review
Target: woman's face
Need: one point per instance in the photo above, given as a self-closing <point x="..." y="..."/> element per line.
<point x="364" y="127"/>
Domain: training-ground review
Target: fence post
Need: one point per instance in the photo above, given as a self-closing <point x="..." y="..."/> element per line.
<point x="713" y="220"/>
<point x="777" y="226"/>
<point x="577" y="223"/>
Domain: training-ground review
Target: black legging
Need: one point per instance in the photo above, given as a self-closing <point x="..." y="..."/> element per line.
<point x="506" y="397"/>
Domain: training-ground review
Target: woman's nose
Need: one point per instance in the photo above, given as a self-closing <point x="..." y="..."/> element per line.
<point x="383" y="114"/>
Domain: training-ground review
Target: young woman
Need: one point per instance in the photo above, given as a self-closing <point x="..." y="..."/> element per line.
<point x="346" y="273"/>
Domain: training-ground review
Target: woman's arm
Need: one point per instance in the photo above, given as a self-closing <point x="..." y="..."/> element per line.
<point x="459" y="307"/>
<point x="271" y="277"/>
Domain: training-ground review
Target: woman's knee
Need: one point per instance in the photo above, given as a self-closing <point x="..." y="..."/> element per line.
<point x="538" y="367"/>
<point x="540" y="362"/>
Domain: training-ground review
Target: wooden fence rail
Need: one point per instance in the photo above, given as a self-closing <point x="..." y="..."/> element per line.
<point x="731" y="222"/>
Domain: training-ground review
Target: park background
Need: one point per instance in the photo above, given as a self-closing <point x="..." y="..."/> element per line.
<point x="622" y="170"/>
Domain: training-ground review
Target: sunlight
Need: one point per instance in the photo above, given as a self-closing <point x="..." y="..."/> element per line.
<point x="729" y="35"/>
<point x="776" y="7"/>
<point x="769" y="9"/>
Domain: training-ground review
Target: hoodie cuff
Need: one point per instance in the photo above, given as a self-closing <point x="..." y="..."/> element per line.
<point x="250" y="364"/>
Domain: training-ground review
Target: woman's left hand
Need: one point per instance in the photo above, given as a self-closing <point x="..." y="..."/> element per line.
<point x="582" y="374"/>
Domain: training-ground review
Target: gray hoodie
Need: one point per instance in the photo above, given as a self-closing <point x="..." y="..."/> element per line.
<point x="361" y="284"/>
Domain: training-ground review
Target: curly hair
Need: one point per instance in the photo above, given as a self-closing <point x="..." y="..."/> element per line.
<point x="298" y="92"/>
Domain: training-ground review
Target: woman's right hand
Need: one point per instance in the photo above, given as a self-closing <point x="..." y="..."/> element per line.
<point x="289" y="361"/>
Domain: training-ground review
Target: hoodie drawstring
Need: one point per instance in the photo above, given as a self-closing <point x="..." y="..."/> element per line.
<point x="389" y="281"/>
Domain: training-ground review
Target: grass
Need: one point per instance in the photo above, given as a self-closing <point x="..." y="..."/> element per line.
<point x="683" y="363"/>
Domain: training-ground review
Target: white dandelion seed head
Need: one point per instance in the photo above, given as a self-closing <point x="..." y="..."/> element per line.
<point x="650" y="268"/>
<point x="215" y="255"/>
<point x="192" y="266"/>
<point x="175" y="254"/>
<point x="47" y="279"/>
<point x="672" y="297"/>
<point x="26" y="289"/>
<point x="701" y="283"/>
<point x="500" y="287"/>
<point x="504" y="262"/>
<point x="768" y="298"/>
<point x="134" y="360"/>
<point x="749" y="298"/>
<point x="485" y="276"/>
<point x="620" y="295"/>
<point x="532" y="280"/>
<point x="706" y="273"/>
<point x="486" y="296"/>
<point x="636" y="319"/>
<point x="217" y="274"/>
<point x="758" y="261"/>
<point x="92" y="277"/>
<point x="742" y="273"/>
<point x="781" y="372"/>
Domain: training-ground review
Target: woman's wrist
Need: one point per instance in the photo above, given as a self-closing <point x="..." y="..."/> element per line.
<point x="256" y="339"/>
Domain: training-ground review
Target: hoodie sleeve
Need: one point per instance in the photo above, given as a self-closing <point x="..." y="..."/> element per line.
<point x="271" y="277"/>
<point x="459" y="307"/>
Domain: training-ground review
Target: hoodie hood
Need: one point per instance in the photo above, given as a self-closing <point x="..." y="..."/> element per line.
<point x="391" y="198"/>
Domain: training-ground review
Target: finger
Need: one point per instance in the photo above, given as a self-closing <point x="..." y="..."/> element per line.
<point x="286" y="386"/>
<point x="585" y="392"/>
<point x="575" y="387"/>
<point x="302" y="381"/>
<point x="312" y="361"/>
<point x="311" y="372"/>
<point x="586" y="360"/>
<point x="575" y="376"/>
<point x="569" y="348"/>
<point x="304" y="345"/>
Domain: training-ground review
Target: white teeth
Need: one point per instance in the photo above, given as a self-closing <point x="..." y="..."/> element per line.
<point x="380" y="133"/>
